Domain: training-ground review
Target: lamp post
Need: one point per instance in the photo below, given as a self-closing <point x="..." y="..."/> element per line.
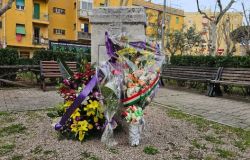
<point x="163" y="27"/>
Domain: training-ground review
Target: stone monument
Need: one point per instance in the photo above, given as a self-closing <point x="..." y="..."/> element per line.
<point x="116" y="21"/>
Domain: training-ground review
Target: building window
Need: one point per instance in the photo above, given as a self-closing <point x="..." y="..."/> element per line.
<point x="74" y="26"/>
<point x="58" y="10"/>
<point x="1" y="24"/>
<point x="85" y="27"/>
<point x="75" y="5"/>
<point x="20" y="4"/>
<point x="177" y="20"/>
<point x="20" y="29"/>
<point x="24" y="54"/>
<point x="86" y="5"/>
<point x="102" y="5"/>
<point x="59" y="31"/>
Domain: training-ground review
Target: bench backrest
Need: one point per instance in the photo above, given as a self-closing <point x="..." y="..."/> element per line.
<point x="190" y="72"/>
<point x="236" y="74"/>
<point x="51" y="68"/>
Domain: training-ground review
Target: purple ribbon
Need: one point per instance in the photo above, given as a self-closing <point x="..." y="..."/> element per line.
<point x="85" y="92"/>
<point x="140" y="44"/>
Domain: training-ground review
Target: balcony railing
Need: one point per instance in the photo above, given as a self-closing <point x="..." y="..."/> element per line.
<point x="84" y="36"/>
<point x="41" y="17"/>
<point x="84" y="13"/>
<point x="40" y="41"/>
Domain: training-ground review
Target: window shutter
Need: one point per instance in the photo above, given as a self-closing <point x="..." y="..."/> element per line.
<point x="20" y="29"/>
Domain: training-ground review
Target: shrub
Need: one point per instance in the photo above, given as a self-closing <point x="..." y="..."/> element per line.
<point x="8" y="56"/>
<point x="210" y="61"/>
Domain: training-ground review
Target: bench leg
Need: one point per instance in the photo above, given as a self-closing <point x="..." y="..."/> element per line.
<point x="43" y="85"/>
<point x="214" y="90"/>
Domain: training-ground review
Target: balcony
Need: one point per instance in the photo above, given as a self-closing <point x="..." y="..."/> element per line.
<point x="40" y="41"/>
<point x="84" y="14"/>
<point x="42" y="18"/>
<point x="84" y="36"/>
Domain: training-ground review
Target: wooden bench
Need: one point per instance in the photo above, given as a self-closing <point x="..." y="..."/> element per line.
<point x="50" y="69"/>
<point x="192" y="74"/>
<point x="233" y="77"/>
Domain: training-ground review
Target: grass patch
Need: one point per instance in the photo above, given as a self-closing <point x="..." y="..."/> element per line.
<point x="197" y="145"/>
<point x="4" y="114"/>
<point x="17" y="157"/>
<point x="88" y="156"/>
<point x="213" y="139"/>
<point x="113" y="150"/>
<point x="12" y="129"/>
<point x="37" y="150"/>
<point x="6" y="148"/>
<point x="200" y="122"/>
<point x="49" y="152"/>
<point x="150" y="150"/>
<point x="203" y="124"/>
<point x="224" y="153"/>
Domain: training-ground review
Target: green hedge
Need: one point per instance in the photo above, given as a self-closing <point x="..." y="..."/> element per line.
<point x="8" y="56"/>
<point x="211" y="61"/>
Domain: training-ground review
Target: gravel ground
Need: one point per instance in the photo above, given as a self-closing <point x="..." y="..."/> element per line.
<point x="171" y="137"/>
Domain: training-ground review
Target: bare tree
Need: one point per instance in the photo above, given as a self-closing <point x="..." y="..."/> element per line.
<point x="215" y="21"/>
<point x="123" y="2"/>
<point x="247" y="39"/>
<point x="6" y="7"/>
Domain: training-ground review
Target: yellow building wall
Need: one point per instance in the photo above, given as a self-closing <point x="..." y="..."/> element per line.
<point x="111" y="3"/>
<point x="194" y="18"/>
<point x="25" y="17"/>
<point x="62" y="21"/>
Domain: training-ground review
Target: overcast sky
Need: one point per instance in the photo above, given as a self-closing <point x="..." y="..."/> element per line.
<point x="190" y="5"/>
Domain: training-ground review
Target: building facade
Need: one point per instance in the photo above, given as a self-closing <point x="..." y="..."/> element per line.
<point x="229" y="22"/>
<point x="31" y="24"/>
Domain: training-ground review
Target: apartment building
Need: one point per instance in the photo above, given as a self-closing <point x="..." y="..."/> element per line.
<point x="35" y="24"/>
<point x="229" y="22"/>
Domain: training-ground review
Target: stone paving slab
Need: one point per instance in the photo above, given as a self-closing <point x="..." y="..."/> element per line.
<point x="27" y="99"/>
<point x="230" y="112"/>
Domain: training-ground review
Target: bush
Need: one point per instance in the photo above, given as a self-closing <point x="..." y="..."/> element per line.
<point x="8" y="56"/>
<point x="47" y="55"/>
<point x="210" y="61"/>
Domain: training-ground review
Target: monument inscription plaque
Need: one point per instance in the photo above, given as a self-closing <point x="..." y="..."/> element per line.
<point x="129" y="20"/>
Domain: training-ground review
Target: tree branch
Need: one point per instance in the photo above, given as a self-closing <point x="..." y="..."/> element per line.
<point x="201" y="12"/>
<point x="245" y="14"/>
<point x="218" y="18"/>
<point x="220" y="5"/>
<point x="6" y="7"/>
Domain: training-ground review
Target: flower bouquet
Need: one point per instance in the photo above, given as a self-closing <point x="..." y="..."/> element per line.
<point x="88" y="116"/>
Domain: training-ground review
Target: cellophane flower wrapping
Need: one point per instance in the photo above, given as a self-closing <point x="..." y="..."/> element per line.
<point x="110" y="89"/>
<point x="141" y="65"/>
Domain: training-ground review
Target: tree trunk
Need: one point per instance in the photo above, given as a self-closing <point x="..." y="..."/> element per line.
<point x="6" y="7"/>
<point x="213" y="39"/>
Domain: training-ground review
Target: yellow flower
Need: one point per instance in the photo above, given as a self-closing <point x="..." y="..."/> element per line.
<point x="90" y="126"/>
<point x="81" y="135"/>
<point x="76" y="114"/>
<point x="67" y="105"/>
<point x="80" y="127"/>
<point x="95" y="119"/>
<point x="92" y="107"/>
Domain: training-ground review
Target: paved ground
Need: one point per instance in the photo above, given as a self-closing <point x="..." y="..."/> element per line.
<point x="226" y="111"/>
<point x="27" y="99"/>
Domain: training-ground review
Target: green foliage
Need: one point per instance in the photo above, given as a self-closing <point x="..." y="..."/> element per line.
<point x="225" y="153"/>
<point x="213" y="139"/>
<point x="17" y="157"/>
<point x="47" y="55"/>
<point x="150" y="150"/>
<point x="6" y="148"/>
<point x="12" y="129"/>
<point x="8" y="56"/>
<point x="183" y="40"/>
<point x="211" y="61"/>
